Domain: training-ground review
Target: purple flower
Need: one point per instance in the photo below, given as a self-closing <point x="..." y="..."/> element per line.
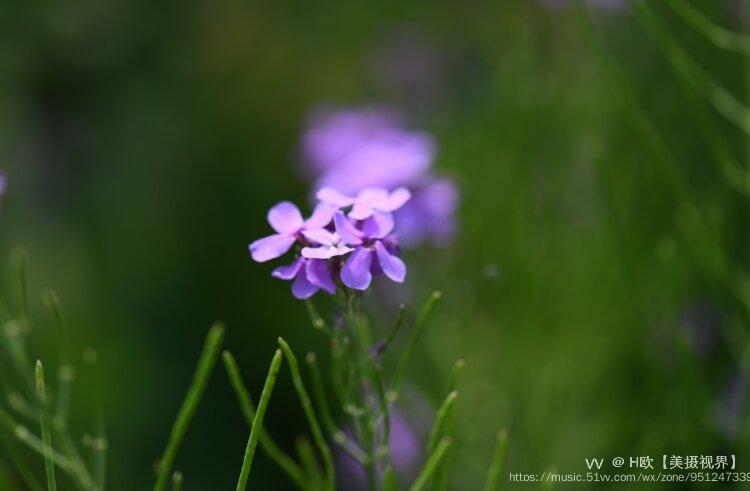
<point x="367" y="202"/>
<point x="348" y="152"/>
<point x="286" y="219"/>
<point x="429" y="214"/>
<point x="309" y="275"/>
<point x="3" y="184"/>
<point x="373" y="254"/>
<point x="329" y="245"/>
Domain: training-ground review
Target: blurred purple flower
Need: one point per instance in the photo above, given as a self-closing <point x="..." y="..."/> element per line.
<point x="3" y="184"/>
<point x="406" y="454"/>
<point x="351" y="150"/>
<point x="374" y="253"/>
<point x="308" y="275"/>
<point x="286" y="219"/>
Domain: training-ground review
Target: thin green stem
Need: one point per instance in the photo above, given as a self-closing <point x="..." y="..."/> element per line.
<point x="312" y="419"/>
<point x="65" y="372"/>
<point x="49" y="464"/>
<point x="267" y="444"/>
<point x="18" y="462"/>
<point x="24" y="435"/>
<point x="438" y="428"/>
<point x="395" y="329"/>
<point x="19" y="262"/>
<point x="99" y="443"/>
<point x="721" y="38"/>
<point x="177" y="481"/>
<point x="455" y="376"/>
<point x="389" y="479"/>
<point x="338" y="436"/>
<point x="432" y="463"/>
<point x="306" y="455"/>
<point x="403" y="361"/>
<point x="384" y="451"/>
<point x="190" y="405"/>
<point x="498" y="459"/>
<point x="315" y="319"/>
<point x="257" y="426"/>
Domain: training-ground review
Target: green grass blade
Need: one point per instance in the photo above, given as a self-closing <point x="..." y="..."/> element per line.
<point x="19" y="262"/>
<point x="438" y="428"/>
<point x="177" y="481"/>
<point x="389" y="479"/>
<point x="257" y="427"/>
<point x="190" y="405"/>
<point x="498" y="459"/>
<point x="99" y="443"/>
<point x="267" y="444"/>
<point x="312" y="419"/>
<point x="719" y="36"/>
<point x="432" y="463"/>
<point x="65" y="372"/>
<point x="338" y="436"/>
<point x="456" y="372"/>
<point x="306" y="455"/>
<point x="403" y="361"/>
<point x="49" y="465"/>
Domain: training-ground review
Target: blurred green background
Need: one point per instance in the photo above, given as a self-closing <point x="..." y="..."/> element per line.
<point x="596" y="287"/>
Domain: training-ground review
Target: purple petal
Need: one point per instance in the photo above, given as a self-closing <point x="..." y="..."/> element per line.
<point x="288" y="272"/>
<point x="302" y="288"/>
<point x="378" y="226"/>
<point x="325" y="252"/>
<point x="356" y="272"/>
<point x="392" y="266"/>
<point x="285" y="217"/>
<point x="321" y="216"/>
<point x="347" y="232"/>
<point x="271" y="247"/>
<point x="3" y="183"/>
<point x="395" y="200"/>
<point x="368" y="200"/>
<point x="333" y="197"/>
<point x="319" y="275"/>
<point x="321" y="236"/>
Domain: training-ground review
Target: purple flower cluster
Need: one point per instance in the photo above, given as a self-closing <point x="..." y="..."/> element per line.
<point x="333" y="244"/>
<point x="354" y="149"/>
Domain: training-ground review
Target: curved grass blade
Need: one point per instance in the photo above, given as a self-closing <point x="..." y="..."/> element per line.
<point x="257" y="427"/>
<point x="190" y="405"/>
<point x="286" y="463"/>
<point x="498" y="459"/>
<point x="438" y="428"/>
<point x="432" y="463"/>
<point x="312" y="419"/>
<point x="411" y="343"/>
<point x="719" y="36"/>
<point x="49" y="465"/>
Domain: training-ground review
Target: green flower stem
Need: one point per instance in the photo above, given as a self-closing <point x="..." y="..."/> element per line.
<point x="306" y="455"/>
<point x="49" y="465"/>
<point x="396" y="327"/>
<point x="438" y="428"/>
<point x="24" y="435"/>
<point x="384" y="450"/>
<point x="403" y="361"/>
<point x="315" y="319"/>
<point x="721" y="38"/>
<point x="389" y="479"/>
<point x="19" y="262"/>
<point x="456" y="373"/>
<point x="65" y="372"/>
<point x="338" y="436"/>
<point x="432" y="462"/>
<point x="190" y="405"/>
<point x="312" y="420"/>
<point x="99" y="443"/>
<point x="257" y="426"/>
<point x="498" y="459"/>
<point x="19" y="464"/>
<point x="267" y="444"/>
<point x="177" y="481"/>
